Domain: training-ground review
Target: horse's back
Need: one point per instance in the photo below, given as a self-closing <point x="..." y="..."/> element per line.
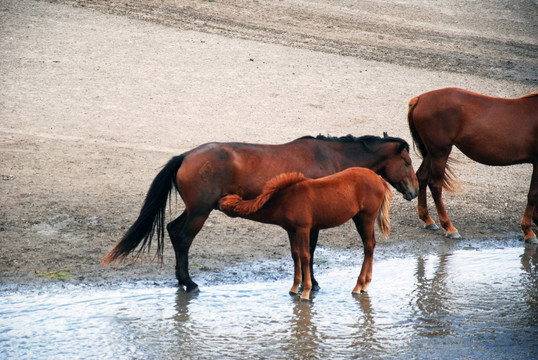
<point x="490" y="130"/>
<point x="459" y="102"/>
<point x="216" y="168"/>
<point x="341" y="196"/>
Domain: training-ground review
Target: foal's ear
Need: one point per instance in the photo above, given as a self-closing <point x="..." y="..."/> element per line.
<point x="385" y="134"/>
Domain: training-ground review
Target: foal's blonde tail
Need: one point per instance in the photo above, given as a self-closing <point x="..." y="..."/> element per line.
<point x="234" y="205"/>
<point x="383" y="218"/>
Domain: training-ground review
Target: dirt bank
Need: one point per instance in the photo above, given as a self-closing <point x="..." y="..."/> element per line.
<point x="96" y="96"/>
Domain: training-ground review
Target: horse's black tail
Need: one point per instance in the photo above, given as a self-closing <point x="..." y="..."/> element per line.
<point x="151" y="218"/>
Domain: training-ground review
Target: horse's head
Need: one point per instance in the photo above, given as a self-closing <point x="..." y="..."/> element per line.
<point x="397" y="168"/>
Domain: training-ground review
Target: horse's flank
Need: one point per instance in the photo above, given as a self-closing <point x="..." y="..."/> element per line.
<point x="451" y="182"/>
<point x="234" y="205"/>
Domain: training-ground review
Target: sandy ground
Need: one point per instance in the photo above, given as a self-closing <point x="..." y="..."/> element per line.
<point x="95" y="96"/>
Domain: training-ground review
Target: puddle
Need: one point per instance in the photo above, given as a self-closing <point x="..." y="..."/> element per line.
<point x="479" y="303"/>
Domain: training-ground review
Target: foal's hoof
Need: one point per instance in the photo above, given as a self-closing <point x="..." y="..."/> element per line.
<point x="433" y="226"/>
<point x="358" y="293"/>
<point x="315" y="287"/>
<point x="302" y="299"/>
<point x="454" y="235"/>
<point x="532" y="241"/>
<point x="293" y="293"/>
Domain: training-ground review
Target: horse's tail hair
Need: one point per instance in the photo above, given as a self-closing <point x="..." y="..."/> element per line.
<point x="383" y="217"/>
<point x="451" y="182"/>
<point x="151" y="217"/>
<point x="234" y="205"/>
<point x="417" y="140"/>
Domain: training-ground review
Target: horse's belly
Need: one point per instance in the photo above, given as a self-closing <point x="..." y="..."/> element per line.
<point x="329" y="219"/>
<point x="496" y="152"/>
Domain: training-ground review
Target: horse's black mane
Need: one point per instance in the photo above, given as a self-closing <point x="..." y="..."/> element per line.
<point x="366" y="140"/>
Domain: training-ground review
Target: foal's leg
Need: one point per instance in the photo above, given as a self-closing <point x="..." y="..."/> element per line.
<point x="182" y="232"/>
<point x="313" y="243"/>
<point x="365" y="224"/>
<point x="438" y="166"/>
<point x="302" y="247"/>
<point x="530" y="210"/>
<point x="295" y="254"/>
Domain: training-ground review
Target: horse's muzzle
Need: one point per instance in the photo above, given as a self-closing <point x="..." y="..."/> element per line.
<point x="410" y="193"/>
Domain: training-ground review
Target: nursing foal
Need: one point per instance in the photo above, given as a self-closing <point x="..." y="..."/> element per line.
<point x="299" y="205"/>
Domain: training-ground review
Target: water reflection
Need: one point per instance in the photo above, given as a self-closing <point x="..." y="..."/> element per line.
<point x="304" y="336"/>
<point x="529" y="259"/>
<point x="366" y="332"/>
<point x="469" y="303"/>
<point x="529" y="283"/>
<point x="430" y="300"/>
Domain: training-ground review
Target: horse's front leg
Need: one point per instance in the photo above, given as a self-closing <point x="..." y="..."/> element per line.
<point x="529" y="214"/>
<point x="295" y="254"/>
<point x="365" y="227"/>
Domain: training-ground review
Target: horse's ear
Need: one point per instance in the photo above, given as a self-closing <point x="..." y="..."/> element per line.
<point x="385" y="134"/>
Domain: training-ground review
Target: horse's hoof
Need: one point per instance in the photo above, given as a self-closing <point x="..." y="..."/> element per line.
<point x="304" y="299"/>
<point x="293" y="293"/>
<point x="433" y="226"/>
<point x="193" y="289"/>
<point x="532" y="241"/>
<point x="454" y="235"/>
<point x="358" y="293"/>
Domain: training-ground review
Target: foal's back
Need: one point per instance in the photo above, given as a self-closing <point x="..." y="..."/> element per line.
<point x="329" y="201"/>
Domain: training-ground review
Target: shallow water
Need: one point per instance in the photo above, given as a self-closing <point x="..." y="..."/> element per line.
<point x="469" y="304"/>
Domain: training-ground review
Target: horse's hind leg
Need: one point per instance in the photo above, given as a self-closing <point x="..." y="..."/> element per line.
<point x="182" y="232"/>
<point x="423" y="174"/>
<point x="437" y="167"/>
<point x="530" y="211"/>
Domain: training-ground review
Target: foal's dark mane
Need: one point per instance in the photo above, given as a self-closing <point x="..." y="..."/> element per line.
<point x="366" y="140"/>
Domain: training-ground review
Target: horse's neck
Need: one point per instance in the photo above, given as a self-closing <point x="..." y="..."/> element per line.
<point x="357" y="155"/>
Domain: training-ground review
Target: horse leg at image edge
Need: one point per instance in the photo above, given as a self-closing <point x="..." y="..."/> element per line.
<point x="182" y="232"/>
<point x="530" y="210"/>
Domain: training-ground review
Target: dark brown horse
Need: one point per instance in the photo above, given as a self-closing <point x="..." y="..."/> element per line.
<point x="204" y="174"/>
<point x="492" y="131"/>
<point x="300" y="205"/>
